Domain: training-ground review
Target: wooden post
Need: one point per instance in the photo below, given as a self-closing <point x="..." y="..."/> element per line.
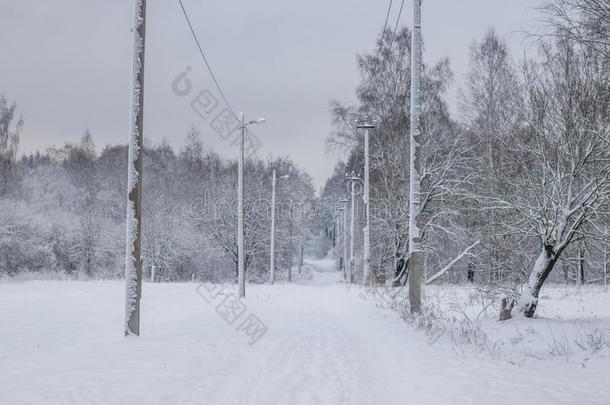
<point x="133" y="260"/>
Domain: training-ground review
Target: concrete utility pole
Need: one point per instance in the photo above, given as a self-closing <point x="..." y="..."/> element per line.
<point x="368" y="124"/>
<point x="290" y="243"/>
<point x="416" y="256"/>
<point x="351" y="241"/>
<point x="133" y="259"/>
<point x="241" y="276"/>
<point x="272" y="254"/>
<point x="343" y="216"/>
<point x="337" y="220"/>
<point x="300" y="230"/>
<point x="353" y="180"/>
<point x="333" y="232"/>
<point x="336" y="226"/>
<point x="272" y="249"/>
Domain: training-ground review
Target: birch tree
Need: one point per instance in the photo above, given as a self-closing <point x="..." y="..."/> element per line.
<point x="10" y="130"/>
<point x="560" y="160"/>
<point x="490" y="105"/>
<point x="586" y="22"/>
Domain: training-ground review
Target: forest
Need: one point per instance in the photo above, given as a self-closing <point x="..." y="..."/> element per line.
<point x="516" y="190"/>
<point x="63" y="210"/>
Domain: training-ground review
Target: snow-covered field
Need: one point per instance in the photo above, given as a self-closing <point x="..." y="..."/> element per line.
<point x="61" y="343"/>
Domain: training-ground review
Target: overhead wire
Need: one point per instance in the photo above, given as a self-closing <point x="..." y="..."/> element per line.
<point x="205" y="59"/>
<point x="379" y="48"/>
<point x="402" y="4"/>
<point x="209" y="67"/>
<point x="385" y="25"/>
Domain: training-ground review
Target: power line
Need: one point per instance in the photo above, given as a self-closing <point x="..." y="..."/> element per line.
<point x="209" y="67"/>
<point x="385" y="25"/>
<point x="205" y="59"/>
<point x="402" y="3"/>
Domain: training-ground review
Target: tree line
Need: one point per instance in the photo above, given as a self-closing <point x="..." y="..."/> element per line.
<point x="63" y="210"/>
<point x="515" y="190"/>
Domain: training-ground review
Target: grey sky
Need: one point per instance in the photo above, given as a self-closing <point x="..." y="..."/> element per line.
<point x="67" y="63"/>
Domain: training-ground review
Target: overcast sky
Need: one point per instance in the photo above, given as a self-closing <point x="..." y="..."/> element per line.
<point x="67" y="63"/>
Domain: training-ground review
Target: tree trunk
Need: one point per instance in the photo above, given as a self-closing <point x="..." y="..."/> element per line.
<point x="606" y="256"/>
<point x="606" y="264"/>
<point x="542" y="268"/>
<point x="507" y="305"/>
<point x="581" y="263"/>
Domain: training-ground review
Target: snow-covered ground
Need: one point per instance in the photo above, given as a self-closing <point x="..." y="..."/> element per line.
<point x="572" y="324"/>
<point x="62" y="343"/>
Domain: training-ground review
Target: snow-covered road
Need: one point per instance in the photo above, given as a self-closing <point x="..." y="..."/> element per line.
<point x="61" y="343"/>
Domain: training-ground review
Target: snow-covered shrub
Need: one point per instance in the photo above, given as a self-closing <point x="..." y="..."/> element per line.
<point x="573" y="326"/>
<point x="23" y="240"/>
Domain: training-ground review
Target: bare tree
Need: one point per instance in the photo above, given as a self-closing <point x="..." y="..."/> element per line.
<point x="586" y="22"/>
<point x="490" y="107"/>
<point x="10" y="130"/>
<point x="446" y="164"/>
<point x="559" y="159"/>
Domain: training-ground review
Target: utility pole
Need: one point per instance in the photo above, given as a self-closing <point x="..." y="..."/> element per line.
<point x="343" y="210"/>
<point x="272" y="258"/>
<point x="133" y="259"/>
<point x="368" y="124"/>
<point x="333" y="232"/>
<point x="345" y="239"/>
<point x="337" y="219"/>
<point x="241" y="276"/>
<point x="352" y="179"/>
<point x="416" y="258"/>
<point x="290" y="244"/>
<point x="300" y="230"/>
<point x="351" y="242"/>
<point x="337" y="226"/>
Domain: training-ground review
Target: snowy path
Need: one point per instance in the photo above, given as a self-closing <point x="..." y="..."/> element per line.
<point x="61" y="343"/>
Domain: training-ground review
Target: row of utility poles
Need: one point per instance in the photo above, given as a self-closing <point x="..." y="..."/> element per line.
<point x="241" y="279"/>
<point x="133" y="258"/>
<point x="415" y="253"/>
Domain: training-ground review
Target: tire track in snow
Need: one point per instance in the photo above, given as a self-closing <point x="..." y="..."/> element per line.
<point x="316" y="365"/>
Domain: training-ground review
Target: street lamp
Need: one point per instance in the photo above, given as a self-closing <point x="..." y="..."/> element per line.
<point x="241" y="277"/>
<point x="272" y="258"/>
<point x="367" y="124"/>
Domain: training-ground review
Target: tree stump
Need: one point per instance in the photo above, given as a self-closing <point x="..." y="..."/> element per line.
<point x="506" y="307"/>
